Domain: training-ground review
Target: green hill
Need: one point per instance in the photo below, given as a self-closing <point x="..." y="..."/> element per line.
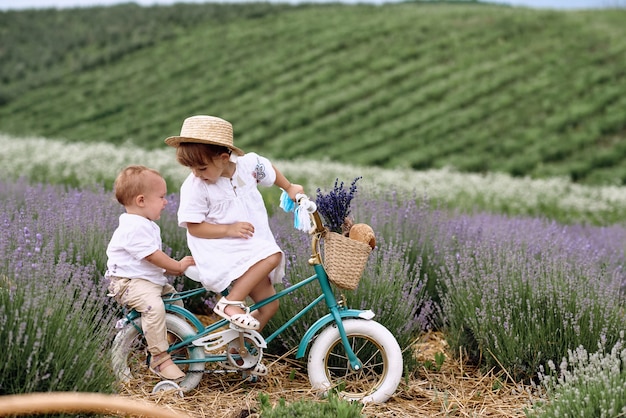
<point x="421" y="85"/>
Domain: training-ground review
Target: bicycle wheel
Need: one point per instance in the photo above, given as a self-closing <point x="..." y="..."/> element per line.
<point x="375" y="347"/>
<point x="129" y="352"/>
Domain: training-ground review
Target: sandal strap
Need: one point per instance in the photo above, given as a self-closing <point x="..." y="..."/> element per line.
<point x="160" y="360"/>
<point x="239" y="303"/>
<point x="243" y="319"/>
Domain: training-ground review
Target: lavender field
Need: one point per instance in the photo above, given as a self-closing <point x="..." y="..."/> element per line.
<point x="518" y="293"/>
<point x="82" y="164"/>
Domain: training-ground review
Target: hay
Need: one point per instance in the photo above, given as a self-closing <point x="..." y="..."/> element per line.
<point x="453" y="390"/>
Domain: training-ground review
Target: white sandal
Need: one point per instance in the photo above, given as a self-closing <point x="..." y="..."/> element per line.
<point x="244" y="320"/>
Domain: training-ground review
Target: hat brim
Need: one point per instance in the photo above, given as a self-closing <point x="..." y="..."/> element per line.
<point x="175" y="141"/>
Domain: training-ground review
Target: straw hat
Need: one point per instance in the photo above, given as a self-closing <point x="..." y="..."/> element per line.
<point x="204" y="129"/>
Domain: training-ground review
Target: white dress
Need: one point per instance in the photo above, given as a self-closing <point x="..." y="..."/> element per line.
<point x="221" y="261"/>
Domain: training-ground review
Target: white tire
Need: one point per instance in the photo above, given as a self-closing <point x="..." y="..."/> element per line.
<point x="375" y="347"/>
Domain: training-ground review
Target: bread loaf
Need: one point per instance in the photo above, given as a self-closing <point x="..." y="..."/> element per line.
<point x="363" y="233"/>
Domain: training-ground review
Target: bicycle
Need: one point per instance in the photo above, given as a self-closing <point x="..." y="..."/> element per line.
<point x="349" y="351"/>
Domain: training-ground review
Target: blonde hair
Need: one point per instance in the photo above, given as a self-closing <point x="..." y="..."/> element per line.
<point x="191" y="154"/>
<point x="131" y="182"/>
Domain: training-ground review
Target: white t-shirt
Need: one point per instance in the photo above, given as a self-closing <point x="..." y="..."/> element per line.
<point x="221" y="261"/>
<point x="134" y="239"/>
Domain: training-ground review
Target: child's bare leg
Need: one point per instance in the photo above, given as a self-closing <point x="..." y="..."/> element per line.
<point x="264" y="290"/>
<point x="244" y="286"/>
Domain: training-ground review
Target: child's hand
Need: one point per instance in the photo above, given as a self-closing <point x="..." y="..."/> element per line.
<point x="293" y="190"/>
<point x="241" y="230"/>
<point x="185" y="262"/>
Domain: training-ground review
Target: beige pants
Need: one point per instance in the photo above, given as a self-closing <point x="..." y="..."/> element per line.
<point x="145" y="297"/>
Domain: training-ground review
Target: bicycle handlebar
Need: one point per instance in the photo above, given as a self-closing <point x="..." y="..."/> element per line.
<point x="311" y="207"/>
<point x="304" y="201"/>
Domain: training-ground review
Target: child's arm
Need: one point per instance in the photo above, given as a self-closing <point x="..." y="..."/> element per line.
<point x="171" y="266"/>
<point x="234" y="230"/>
<point x="240" y="229"/>
<point x="282" y="182"/>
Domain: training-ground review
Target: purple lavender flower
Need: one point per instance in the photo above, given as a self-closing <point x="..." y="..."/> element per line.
<point x="334" y="206"/>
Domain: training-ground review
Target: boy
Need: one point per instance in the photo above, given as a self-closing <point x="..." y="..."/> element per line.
<point x="136" y="264"/>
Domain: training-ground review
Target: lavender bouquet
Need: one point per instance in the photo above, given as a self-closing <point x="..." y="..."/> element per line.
<point x="334" y="206"/>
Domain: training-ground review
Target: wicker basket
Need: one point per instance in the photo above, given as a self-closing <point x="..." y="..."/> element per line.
<point x="344" y="259"/>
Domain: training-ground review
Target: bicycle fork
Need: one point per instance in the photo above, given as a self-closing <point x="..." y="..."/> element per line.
<point x="355" y="363"/>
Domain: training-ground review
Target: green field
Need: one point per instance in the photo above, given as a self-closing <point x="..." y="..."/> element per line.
<point x="480" y="88"/>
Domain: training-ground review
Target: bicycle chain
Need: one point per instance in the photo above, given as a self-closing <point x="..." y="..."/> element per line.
<point x="213" y="371"/>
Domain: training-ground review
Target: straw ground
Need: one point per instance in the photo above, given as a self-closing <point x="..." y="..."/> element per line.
<point x="454" y="389"/>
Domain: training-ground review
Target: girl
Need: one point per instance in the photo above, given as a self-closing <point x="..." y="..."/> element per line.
<point x="227" y="224"/>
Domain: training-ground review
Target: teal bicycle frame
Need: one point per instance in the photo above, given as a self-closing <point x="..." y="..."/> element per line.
<point x="337" y="312"/>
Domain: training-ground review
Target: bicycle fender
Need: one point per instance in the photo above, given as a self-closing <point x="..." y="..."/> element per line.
<point x="175" y="309"/>
<point x="324" y="321"/>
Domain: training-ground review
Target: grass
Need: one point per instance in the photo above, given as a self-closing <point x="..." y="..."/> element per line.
<point x="461" y="86"/>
